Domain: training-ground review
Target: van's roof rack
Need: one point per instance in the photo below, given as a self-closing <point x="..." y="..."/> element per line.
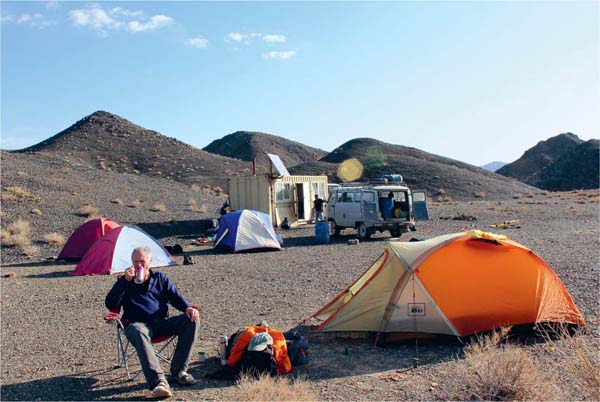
<point x="387" y="179"/>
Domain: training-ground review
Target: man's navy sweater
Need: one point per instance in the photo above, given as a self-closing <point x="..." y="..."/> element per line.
<point x="145" y="302"/>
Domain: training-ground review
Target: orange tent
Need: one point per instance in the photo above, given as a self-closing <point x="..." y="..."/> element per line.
<point x="457" y="284"/>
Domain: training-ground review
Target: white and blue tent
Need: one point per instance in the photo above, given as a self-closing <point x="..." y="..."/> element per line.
<point x="246" y="229"/>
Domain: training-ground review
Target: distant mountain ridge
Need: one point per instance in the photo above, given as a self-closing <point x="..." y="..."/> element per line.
<point x="247" y="145"/>
<point x="493" y="166"/>
<point x="421" y="170"/>
<point x="110" y="142"/>
<point x="560" y="163"/>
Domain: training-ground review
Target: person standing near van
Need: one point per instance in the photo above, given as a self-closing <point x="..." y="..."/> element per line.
<point x="318" y="206"/>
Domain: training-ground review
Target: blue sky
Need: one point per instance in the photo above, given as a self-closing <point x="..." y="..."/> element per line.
<point x="473" y="81"/>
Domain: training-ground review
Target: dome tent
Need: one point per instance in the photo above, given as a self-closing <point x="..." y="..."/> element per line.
<point x="246" y="229"/>
<point x="112" y="252"/>
<point x="458" y="284"/>
<point x="84" y="237"/>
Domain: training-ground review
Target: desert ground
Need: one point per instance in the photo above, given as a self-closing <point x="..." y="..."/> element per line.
<point x="56" y="346"/>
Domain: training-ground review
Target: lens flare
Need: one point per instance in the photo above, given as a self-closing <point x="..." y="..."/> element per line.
<point x="350" y="170"/>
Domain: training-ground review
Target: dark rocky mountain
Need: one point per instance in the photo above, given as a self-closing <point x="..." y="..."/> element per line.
<point x="493" y="166"/>
<point x="541" y="155"/>
<point x="246" y="145"/>
<point x="440" y="176"/>
<point x="575" y="169"/>
<point x="109" y="142"/>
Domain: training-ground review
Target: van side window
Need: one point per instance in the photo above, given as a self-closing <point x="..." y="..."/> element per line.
<point x="357" y="196"/>
<point x="369" y="197"/>
<point x="348" y="196"/>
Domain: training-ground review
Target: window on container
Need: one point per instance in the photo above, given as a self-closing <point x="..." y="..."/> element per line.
<point x="282" y="192"/>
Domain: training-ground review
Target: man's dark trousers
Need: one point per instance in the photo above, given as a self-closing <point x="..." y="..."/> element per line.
<point x="140" y="335"/>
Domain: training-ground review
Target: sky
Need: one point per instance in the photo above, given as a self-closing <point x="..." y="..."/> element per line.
<point x="473" y="81"/>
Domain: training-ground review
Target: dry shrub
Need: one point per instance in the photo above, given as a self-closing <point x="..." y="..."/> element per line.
<point x="494" y="370"/>
<point x="36" y="211"/>
<point x="136" y="204"/>
<point x="201" y="209"/>
<point x="206" y="189"/>
<point x="159" y="207"/>
<point x="17" y="235"/>
<point x="218" y="190"/>
<point x="267" y="388"/>
<point x="191" y="203"/>
<point x="54" y="238"/>
<point x="196" y="188"/>
<point x="117" y="201"/>
<point x="88" y="211"/>
<point x="20" y="193"/>
<point x="580" y="363"/>
<point x="30" y="250"/>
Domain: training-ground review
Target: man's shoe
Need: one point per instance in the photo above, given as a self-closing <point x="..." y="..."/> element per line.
<point x="162" y="390"/>
<point x="185" y="378"/>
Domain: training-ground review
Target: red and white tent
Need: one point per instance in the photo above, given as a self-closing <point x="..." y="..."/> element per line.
<point x="85" y="235"/>
<point x="112" y="252"/>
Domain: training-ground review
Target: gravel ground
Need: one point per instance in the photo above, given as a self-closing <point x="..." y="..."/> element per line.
<point x="55" y="345"/>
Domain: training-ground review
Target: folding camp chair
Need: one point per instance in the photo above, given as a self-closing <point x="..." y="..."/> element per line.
<point x="164" y="346"/>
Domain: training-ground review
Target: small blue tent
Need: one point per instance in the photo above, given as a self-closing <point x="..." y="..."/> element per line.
<point x="246" y="229"/>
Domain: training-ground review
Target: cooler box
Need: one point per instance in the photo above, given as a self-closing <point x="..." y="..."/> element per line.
<point x="322" y="232"/>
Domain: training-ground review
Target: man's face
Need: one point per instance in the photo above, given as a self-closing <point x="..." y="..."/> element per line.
<point x="141" y="258"/>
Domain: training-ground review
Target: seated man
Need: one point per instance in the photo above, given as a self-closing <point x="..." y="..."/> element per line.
<point x="144" y="302"/>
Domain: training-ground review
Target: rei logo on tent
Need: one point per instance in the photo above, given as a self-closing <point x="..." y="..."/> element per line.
<point x="416" y="309"/>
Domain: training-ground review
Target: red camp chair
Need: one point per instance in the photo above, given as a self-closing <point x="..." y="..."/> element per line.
<point x="164" y="345"/>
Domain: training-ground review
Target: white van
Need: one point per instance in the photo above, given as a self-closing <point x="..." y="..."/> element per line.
<point x="372" y="208"/>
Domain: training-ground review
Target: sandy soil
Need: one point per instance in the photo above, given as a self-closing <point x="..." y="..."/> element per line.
<point x="55" y="345"/>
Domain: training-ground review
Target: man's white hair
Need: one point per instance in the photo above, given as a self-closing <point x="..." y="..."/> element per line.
<point x="142" y="250"/>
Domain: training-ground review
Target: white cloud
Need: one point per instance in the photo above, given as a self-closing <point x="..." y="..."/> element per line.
<point x="236" y="36"/>
<point x="36" y="20"/>
<point x="279" y="55"/>
<point x="198" y="42"/>
<point x="155" y="22"/>
<point x="95" y="18"/>
<point x="117" y="18"/>
<point x="126" y="13"/>
<point x="274" y="38"/>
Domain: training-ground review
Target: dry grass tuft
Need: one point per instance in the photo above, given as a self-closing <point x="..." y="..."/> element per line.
<point x="136" y="204"/>
<point x="20" y="193"/>
<point x="158" y="207"/>
<point x="494" y="370"/>
<point x="17" y="235"/>
<point x="117" y="201"/>
<point x="580" y="363"/>
<point x="54" y="238"/>
<point x="267" y="388"/>
<point x="218" y="190"/>
<point x="88" y="211"/>
<point x="36" y="211"/>
<point x="196" y="188"/>
<point x="191" y="203"/>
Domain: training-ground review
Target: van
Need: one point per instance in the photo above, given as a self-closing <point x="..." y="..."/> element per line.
<point x="374" y="208"/>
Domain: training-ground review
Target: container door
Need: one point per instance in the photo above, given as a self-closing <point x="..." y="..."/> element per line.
<point x="369" y="206"/>
<point x="420" y="205"/>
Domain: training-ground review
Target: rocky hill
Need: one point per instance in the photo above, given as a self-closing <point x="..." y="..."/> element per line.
<point x="493" y="166"/>
<point x="440" y="176"/>
<point x="109" y="142"/>
<point x="246" y="145"/>
<point x="543" y="154"/>
<point x="575" y="169"/>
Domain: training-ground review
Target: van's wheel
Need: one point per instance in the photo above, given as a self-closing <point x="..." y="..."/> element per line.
<point x="363" y="232"/>
<point x="395" y="232"/>
<point x="334" y="230"/>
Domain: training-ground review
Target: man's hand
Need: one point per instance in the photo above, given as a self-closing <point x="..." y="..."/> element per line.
<point x="192" y="314"/>
<point x="129" y="273"/>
